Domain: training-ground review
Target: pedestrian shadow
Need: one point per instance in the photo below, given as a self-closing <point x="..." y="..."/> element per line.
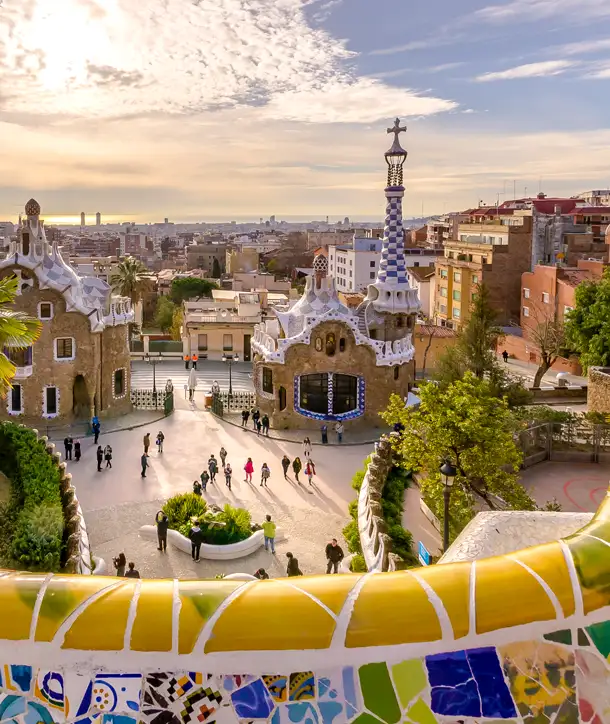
<point x="330" y="504"/>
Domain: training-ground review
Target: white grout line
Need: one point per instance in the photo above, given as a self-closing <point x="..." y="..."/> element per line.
<point x="447" y="632"/>
<point x="345" y="614"/>
<point x="208" y="627"/>
<point x="600" y="540"/>
<point x="547" y="589"/>
<point x="313" y="598"/>
<point x="68" y="622"/>
<point x="131" y="616"/>
<point x="579" y="606"/>
<point x="38" y="604"/>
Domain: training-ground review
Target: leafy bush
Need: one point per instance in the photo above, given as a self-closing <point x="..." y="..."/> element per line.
<point x="357" y="480"/>
<point x="352" y="536"/>
<point x="36" y="537"/>
<point x="392" y="500"/>
<point x="358" y="564"/>
<point x="181" y="509"/>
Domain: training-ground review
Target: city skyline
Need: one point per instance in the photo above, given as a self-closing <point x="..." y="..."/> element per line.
<point x="286" y="111"/>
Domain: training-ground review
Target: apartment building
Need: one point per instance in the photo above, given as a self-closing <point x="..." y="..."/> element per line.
<point x="597" y="197"/>
<point x="421" y="278"/>
<point x="494" y="252"/>
<point x="337" y="237"/>
<point x="244" y="259"/>
<point x="203" y="256"/>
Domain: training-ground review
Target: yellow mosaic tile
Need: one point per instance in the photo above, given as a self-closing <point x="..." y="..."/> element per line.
<point x="332" y="591"/>
<point x="101" y="626"/>
<point x="549" y="563"/>
<point x="392" y="608"/>
<point x="268" y="616"/>
<point x="507" y="595"/>
<point x="199" y="600"/>
<point x="451" y="583"/>
<point x="152" y="627"/>
<point x="18" y="593"/>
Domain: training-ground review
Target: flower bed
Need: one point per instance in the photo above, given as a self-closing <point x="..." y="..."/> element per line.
<point x="220" y="527"/>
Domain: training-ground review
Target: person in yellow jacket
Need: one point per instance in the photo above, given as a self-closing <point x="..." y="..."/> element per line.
<point x="269" y="531"/>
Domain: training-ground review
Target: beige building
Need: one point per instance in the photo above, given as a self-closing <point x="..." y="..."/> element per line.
<point x="202" y="256"/>
<point x="80" y="364"/>
<point x="242" y="260"/>
<point x="221" y="325"/>
<point x="104" y="267"/>
<point x="260" y="280"/>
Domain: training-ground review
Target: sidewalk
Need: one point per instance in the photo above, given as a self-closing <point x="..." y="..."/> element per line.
<point x="517" y="368"/>
<point x="137" y="418"/>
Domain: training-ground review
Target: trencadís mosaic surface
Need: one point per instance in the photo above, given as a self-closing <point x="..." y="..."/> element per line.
<point x="523" y="637"/>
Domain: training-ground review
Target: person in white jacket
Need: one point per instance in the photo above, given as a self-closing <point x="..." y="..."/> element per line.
<point x="192" y="383"/>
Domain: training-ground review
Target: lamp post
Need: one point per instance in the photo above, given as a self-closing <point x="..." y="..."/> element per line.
<point x="448" y="473"/>
<point x="230" y="359"/>
<point x="154" y="362"/>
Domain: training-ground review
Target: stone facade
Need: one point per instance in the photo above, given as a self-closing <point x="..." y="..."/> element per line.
<point x="304" y="359"/>
<point x="598" y="391"/>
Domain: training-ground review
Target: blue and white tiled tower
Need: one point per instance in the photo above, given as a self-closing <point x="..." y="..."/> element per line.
<point x="391" y="291"/>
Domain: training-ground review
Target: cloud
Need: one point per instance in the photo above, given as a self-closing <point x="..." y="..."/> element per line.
<point x="413" y="45"/>
<point x="584" y="46"/>
<point x="106" y="58"/>
<point x="443" y="67"/>
<point x="530" y="70"/>
<point x="531" y="10"/>
<point x="601" y="74"/>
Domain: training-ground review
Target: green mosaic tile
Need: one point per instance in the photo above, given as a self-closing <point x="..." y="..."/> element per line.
<point x="409" y="679"/>
<point x="600" y="635"/>
<point x="583" y="639"/>
<point x="378" y="692"/>
<point x="365" y="719"/>
<point x="420" y="713"/>
<point x="560" y="637"/>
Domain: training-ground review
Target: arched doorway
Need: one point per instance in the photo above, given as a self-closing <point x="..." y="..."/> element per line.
<point x="81" y="406"/>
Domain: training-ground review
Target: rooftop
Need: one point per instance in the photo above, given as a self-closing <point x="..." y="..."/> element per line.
<point x="421" y="273"/>
<point x="433" y="330"/>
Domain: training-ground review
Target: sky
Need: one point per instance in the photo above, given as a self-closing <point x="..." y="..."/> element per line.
<point x="233" y="109"/>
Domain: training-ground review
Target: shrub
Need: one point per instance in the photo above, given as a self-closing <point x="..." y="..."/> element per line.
<point x="36" y="538"/>
<point x="182" y="508"/>
<point x="352" y="537"/>
<point x="357" y="564"/>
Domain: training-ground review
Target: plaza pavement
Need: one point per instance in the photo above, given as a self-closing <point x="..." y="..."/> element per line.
<point x="116" y="502"/>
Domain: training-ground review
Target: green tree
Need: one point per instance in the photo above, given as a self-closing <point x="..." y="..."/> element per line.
<point x="131" y="279"/>
<point x="588" y="324"/>
<point x="548" y="335"/>
<point x="475" y="351"/>
<point x="17" y="330"/>
<point x="177" y="320"/>
<point x="465" y="423"/>
<point x="184" y="288"/>
<point x="164" y="314"/>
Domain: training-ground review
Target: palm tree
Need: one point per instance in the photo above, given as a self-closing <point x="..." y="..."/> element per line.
<point x="131" y="279"/>
<point x="17" y="330"/>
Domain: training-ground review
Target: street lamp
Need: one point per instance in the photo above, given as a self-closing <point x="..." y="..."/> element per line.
<point x="230" y="359"/>
<point x="154" y="362"/>
<point x="448" y="473"/>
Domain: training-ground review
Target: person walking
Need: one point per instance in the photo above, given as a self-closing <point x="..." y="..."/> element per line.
<point x="132" y="573"/>
<point x="192" y="383"/>
<point x="68" y="448"/>
<point x="197" y="488"/>
<point x="296" y="467"/>
<point x="120" y="564"/>
<point x="194" y="359"/>
<point x="256" y="416"/>
<point x="310" y="470"/>
<point x="261" y="574"/>
<point x="144" y="462"/>
<point x="196" y="537"/>
<point x="146" y="443"/>
<point x="223" y="456"/>
<point x="269" y="529"/>
<point x="505" y="356"/>
<point x="245" y="414"/>
<point x="285" y="466"/>
<point x="249" y="468"/>
<point x="292" y="568"/>
<point x="339" y="430"/>
<point x="265" y="473"/>
<point x="324" y="434"/>
<point x="96" y="427"/>
<point x="252" y="413"/>
<point x="334" y="556"/>
<point x="228" y="474"/>
<point x="77" y="451"/>
<point x="265" y="425"/>
<point x="205" y="479"/>
<point x="100" y="456"/>
<point x="212" y="467"/>
<point x="108" y="456"/>
<point x="306" y="447"/>
<point x="259" y="426"/>
<point x="162" y="526"/>
<point x="159" y="441"/>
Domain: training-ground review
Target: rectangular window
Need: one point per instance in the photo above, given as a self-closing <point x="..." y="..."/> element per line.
<point x="119" y="383"/>
<point x="456" y="312"/>
<point x="545" y="297"/>
<point x="443" y="273"/>
<point x="267" y="380"/>
<point x="526" y="293"/>
<point x="202" y="342"/>
<point x="475" y="279"/>
<point x="526" y="311"/>
<point x="64" y="348"/>
<point x="350" y="272"/>
<point x="372" y="247"/>
<point x="457" y="276"/>
<point x="372" y="275"/>
<point x="45" y="310"/>
<point x="227" y="342"/>
<point x="457" y="295"/>
<point x="19" y="357"/>
<point x="50" y="398"/>
<point x="443" y="309"/>
<point x="15" y="399"/>
<point x="567" y="310"/>
<point x="372" y="264"/>
<point x="443" y="291"/>
<point x="415" y="263"/>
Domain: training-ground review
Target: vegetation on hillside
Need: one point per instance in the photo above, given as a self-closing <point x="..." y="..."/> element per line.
<point x="184" y="288"/>
<point x="587" y="326"/>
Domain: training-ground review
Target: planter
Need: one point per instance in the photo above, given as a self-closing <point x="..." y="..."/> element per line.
<point x="213" y="552"/>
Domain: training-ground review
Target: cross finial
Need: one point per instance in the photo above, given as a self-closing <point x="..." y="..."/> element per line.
<point x="397" y="129"/>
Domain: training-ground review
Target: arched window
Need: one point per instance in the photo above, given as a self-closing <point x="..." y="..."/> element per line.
<point x="400" y="321"/>
<point x="342" y="344"/>
<point x="396" y="372"/>
<point x="282" y="396"/>
<point x="330" y="344"/>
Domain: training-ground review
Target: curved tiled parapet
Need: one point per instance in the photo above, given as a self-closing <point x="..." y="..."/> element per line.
<point x="521" y="637"/>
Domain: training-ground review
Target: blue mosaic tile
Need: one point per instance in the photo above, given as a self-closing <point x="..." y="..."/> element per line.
<point x="302" y="712"/>
<point x="349" y="691"/>
<point x="18" y="677"/>
<point x="469" y="683"/>
<point x="329" y="710"/>
<point x="252" y="701"/>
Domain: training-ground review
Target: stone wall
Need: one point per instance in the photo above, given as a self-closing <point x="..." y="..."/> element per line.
<point x="377" y="547"/>
<point x="598" y="392"/>
<point x="360" y="360"/>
